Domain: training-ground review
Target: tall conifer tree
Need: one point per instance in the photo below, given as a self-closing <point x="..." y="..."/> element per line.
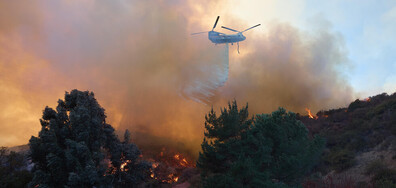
<point x="269" y="150"/>
<point x="73" y="144"/>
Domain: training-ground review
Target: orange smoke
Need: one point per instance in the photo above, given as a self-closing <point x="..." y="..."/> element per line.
<point x="139" y="62"/>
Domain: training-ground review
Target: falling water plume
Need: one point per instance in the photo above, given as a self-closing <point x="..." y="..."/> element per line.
<point x="204" y="88"/>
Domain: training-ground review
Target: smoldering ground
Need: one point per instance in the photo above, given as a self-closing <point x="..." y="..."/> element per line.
<point x="149" y="74"/>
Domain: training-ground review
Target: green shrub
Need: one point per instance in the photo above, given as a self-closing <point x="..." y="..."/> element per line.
<point x="374" y="167"/>
<point x="13" y="171"/>
<point x="341" y="159"/>
<point x="385" y="175"/>
<point x="356" y="104"/>
<point x="381" y="108"/>
<point x="384" y="184"/>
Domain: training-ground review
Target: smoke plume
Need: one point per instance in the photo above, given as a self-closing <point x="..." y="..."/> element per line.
<point x="149" y="73"/>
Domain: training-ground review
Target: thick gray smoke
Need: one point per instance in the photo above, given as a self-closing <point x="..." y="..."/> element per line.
<point x="150" y="75"/>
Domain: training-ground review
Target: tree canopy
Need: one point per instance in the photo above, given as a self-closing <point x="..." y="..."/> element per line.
<point x="268" y="150"/>
<point x="77" y="148"/>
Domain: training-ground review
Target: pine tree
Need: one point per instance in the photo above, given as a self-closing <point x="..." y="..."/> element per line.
<point x="269" y="150"/>
<point x="73" y="144"/>
<point x="289" y="152"/>
<point x="223" y="133"/>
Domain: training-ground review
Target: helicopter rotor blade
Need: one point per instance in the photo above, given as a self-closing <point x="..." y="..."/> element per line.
<point x="229" y="29"/>
<point x="216" y="22"/>
<point x="199" y="33"/>
<point x="251" y="28"/>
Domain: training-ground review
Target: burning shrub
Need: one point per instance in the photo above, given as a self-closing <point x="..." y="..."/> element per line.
<point x="132" y="170"/>
<point x="270" y="150"/>
<point x="168" y="166"/>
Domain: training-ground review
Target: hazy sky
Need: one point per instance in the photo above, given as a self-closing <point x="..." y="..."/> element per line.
<point x="367" y="27"/>
<point x="143" y="65"/>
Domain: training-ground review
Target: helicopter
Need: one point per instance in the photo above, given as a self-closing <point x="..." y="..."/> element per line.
<point x="221" y="38"/>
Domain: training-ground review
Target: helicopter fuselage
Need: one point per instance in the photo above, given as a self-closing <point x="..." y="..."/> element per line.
<point x="221" y="38"/>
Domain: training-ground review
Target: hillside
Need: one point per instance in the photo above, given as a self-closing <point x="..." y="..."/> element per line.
<point x="360" y="140"/>
<point x="360" y="148"/>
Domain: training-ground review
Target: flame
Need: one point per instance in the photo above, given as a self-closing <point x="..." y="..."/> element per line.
<point x="182" y="161"/>
<point x="154" y="165"/>
<point x="167" y="166"/>
<point x="152" y="175"/>
<point x="367" y="99"/>
<point x="172" y="178"/>
<point x="122" y="167"/>
<point x="310" y="114"/>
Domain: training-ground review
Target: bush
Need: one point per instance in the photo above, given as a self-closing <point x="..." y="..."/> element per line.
<point x="374" y="167"/>
<point x="329" y="182"/>
<point x="385" y="105"/>
<point x="384" y="184"/>
<point x="341" y="159"/>
<point x="357" y="104"/>
<point x="385" y="175"/>
<point x="13" y="169"/>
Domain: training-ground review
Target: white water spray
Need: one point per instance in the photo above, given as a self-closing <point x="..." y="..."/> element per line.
<point x="203" y="89"/>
